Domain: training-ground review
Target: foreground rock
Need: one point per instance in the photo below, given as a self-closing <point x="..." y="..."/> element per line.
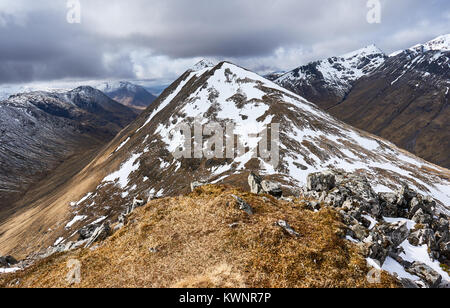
<point x="379" y="222"/>
<point x="7" y="261"/>
<point x="260" y="186"/>
<point x="431" y="277"/>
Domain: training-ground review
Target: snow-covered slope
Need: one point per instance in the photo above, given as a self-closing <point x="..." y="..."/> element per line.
<point x="326" y="82"/>
<point x="139" y="163"/>
<point x="406" y="101"/>
<point x="441" y="43"/>
<point x="141" y="160"/>
<point x="39" y="130"/>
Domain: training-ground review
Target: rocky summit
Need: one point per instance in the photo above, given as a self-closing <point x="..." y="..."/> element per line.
<point x="399" y="232"/>
<point x="405" y="248"/>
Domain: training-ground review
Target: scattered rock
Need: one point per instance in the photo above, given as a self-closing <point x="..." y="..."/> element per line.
<point x="123" y="219"/>
<point x="100" y="234"/>
<point x="388" y="204"/>
<point x="422" y="218"/>
<point x="260" y="186"/>
<point x="359" y="232"/>
<point x="197" y="184"/>
<point x="87" y="231"/>
<point x="409" y="284"/>
<point x="423" y="237"/>
<point x="444" y="249"/>
<point x="271" y="188"/>
<point x="430" y="276"/>
<point x="138" y="202"/>
<point x="118" y="227"/>
<point x="244" y="206"/>
<point x="7" y="261"/>
<point x="286" y="227"/>
<point x="254" y="181"/>
<point x="321" y="181"/>
<point x="398" y="232"/>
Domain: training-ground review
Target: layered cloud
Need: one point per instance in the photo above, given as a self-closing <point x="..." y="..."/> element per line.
<point x="161" y="38"/>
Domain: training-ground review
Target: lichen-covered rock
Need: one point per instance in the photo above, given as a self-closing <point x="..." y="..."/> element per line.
<point x="421" y="217"/>
<point x="271" y="188"/>
<point x="286" y="227"/>
<point x="321" y="181"/>
<point x="388" y="204"/>
<point x="423" y="237"/>
<point x="397" y="232"/>
<point x="359" y="232"/>
<point x="254" y="181"/>
<point x="444" y="249"/>
<point x="243" y="206"/>
<point x="430" y="276"/>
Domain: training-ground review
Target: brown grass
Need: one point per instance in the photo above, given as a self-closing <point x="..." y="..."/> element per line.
<point x="196" y="247"/>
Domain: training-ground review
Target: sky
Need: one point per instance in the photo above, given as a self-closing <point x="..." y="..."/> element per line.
<point x="157" y="40"/>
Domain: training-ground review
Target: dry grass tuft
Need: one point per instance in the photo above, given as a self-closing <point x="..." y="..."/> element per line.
<point x="187" y="241"/>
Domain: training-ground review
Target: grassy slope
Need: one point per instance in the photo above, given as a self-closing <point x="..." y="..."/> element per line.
<point x="197" y="248"/>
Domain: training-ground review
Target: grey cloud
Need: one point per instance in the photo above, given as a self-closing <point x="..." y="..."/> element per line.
<point x="43" y="46"/>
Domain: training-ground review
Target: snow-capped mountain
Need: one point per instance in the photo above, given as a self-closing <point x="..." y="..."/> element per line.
<point x="328" y="81"/>
<point x="39" y="130"/>
<point x="128" y="94"/>
<point x="441" y="43"/>
<point x="274" y="76"/>
<point x="140" y="160"/>
<point x="7" y="90"/>
<point x="406" y="101"/>
<point x="205" y="63"/>
<point x="139" y="164"/>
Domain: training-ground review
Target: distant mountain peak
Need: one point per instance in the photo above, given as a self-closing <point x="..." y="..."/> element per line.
<point x="328" y="81"/>
<point x="441" y="43"/>
<point x="127" y="93"/>
<point x="368" y="50"/>
<point x="205" y="63"/>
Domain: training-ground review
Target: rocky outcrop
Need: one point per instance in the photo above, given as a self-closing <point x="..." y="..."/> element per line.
<point x="321" y="181"/>
<point x="243" y="206"/>
<point x="7" y="261"/>
<point x="379" y="222"/>
<point x="100" y="234"/>
<point x="430" y="276"/>
<point x="287" y="228"/>
<point x="260" y="186"/>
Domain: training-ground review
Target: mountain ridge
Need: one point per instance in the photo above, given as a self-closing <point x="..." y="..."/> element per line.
<point x="327" y="82"/>
<point x="40" y="130"/>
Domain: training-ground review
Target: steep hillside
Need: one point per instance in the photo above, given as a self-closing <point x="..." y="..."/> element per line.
<point x="327" y="82"/>
<point x="406" y="100"/>
<point x="41" y="130"/>
<point x="139" y="161"/>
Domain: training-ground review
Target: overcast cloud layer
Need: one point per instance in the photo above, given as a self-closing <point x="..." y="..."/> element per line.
<point x="160" y="39"/>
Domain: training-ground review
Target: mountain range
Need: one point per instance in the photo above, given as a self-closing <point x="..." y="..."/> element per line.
<point x="128" y="94"/>
<point x="402" y="97"/>
<point x="42" y="130"/>
<point x="380" y="204"/>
